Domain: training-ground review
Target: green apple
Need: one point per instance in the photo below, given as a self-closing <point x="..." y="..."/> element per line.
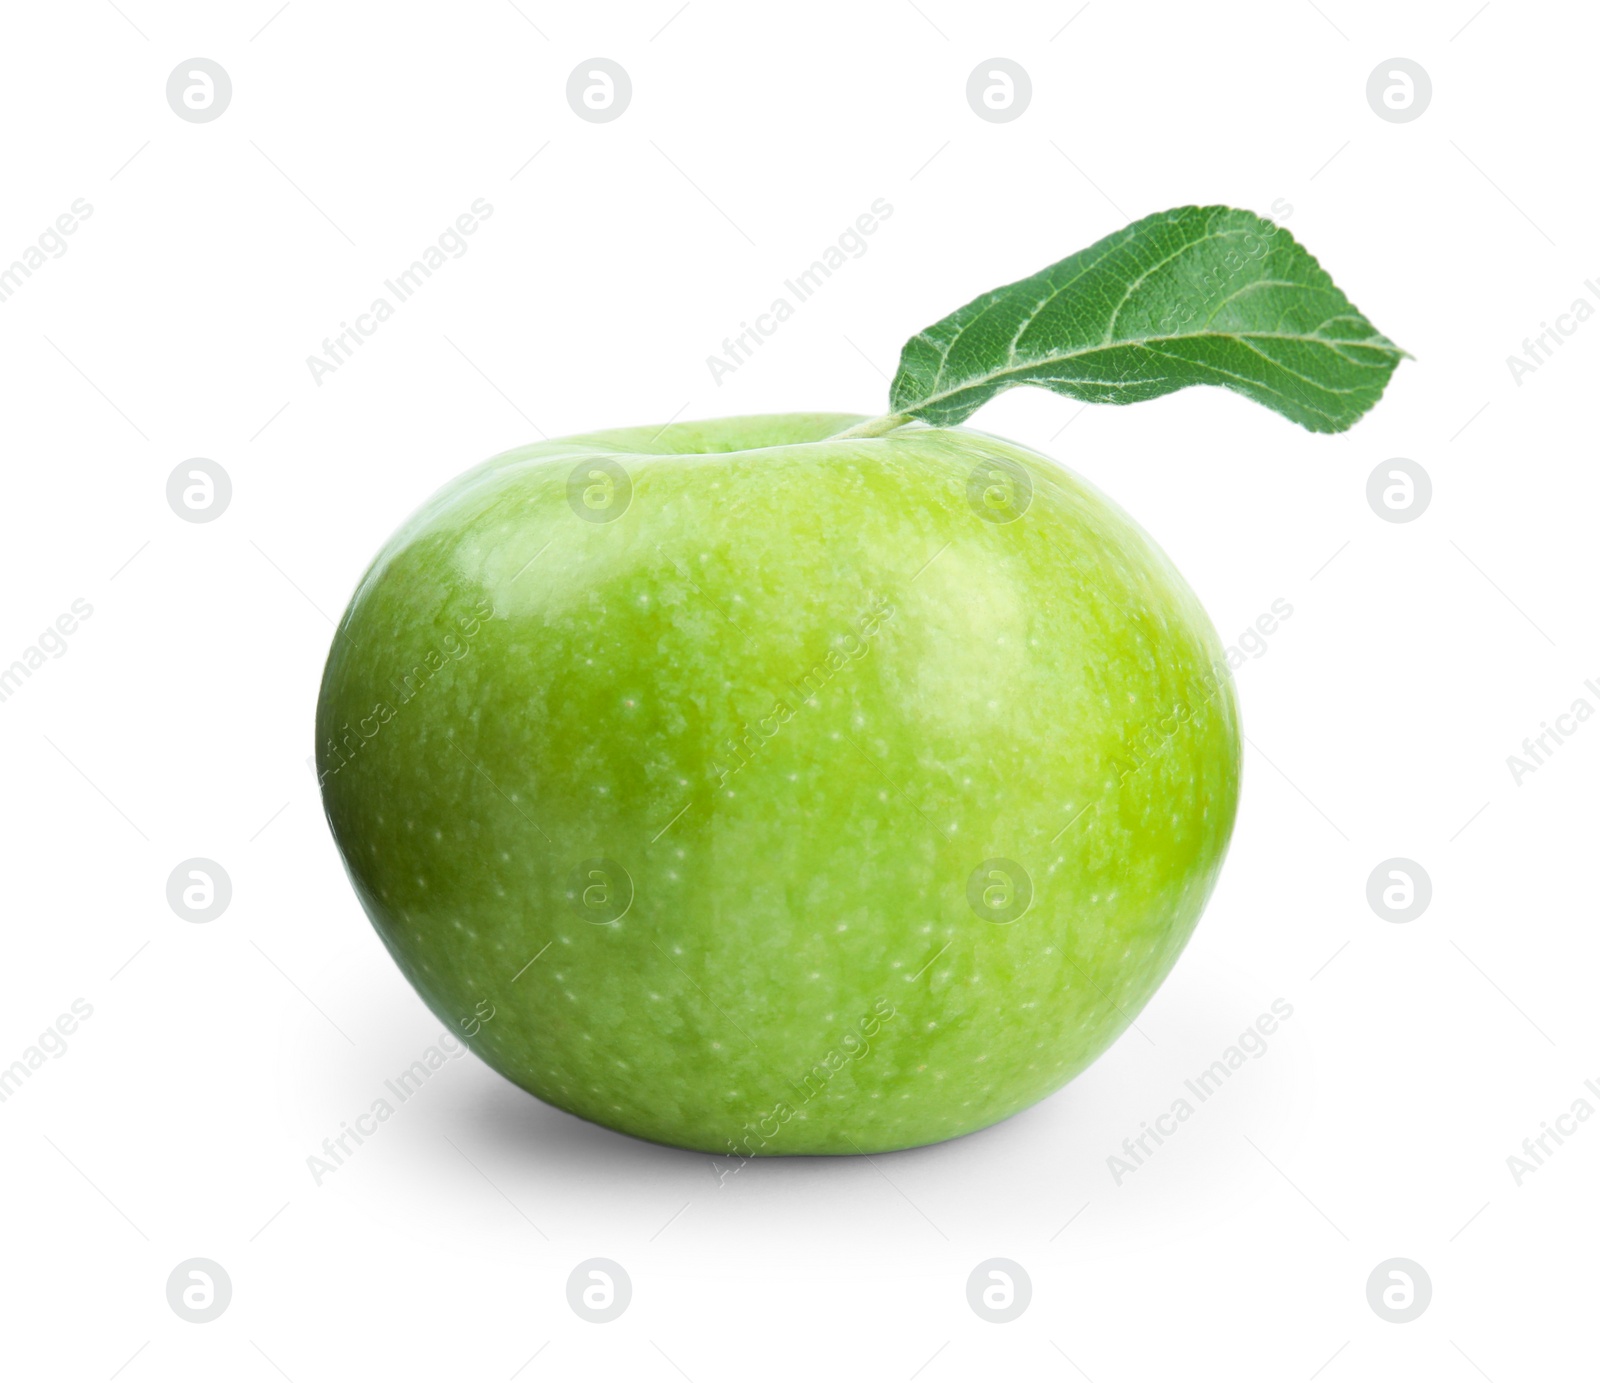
<point x="760" y="790"/>
<point x="811" y="784"/>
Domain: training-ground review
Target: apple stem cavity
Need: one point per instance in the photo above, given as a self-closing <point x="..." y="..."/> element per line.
<point x="875" y="427"/>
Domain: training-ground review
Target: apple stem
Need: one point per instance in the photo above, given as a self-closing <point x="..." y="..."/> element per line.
<point x="875" y="427"/>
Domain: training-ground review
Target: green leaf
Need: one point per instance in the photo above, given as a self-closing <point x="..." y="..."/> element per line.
<point x="1196" y="295"/>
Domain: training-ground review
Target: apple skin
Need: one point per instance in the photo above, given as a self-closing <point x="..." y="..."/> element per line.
<point x="786" y="703"/>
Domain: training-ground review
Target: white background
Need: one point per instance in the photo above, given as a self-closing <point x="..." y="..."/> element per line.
<point x="178" y="1122"/>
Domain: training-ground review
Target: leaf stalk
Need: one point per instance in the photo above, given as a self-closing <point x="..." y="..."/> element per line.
<point x="874" y="427"/>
